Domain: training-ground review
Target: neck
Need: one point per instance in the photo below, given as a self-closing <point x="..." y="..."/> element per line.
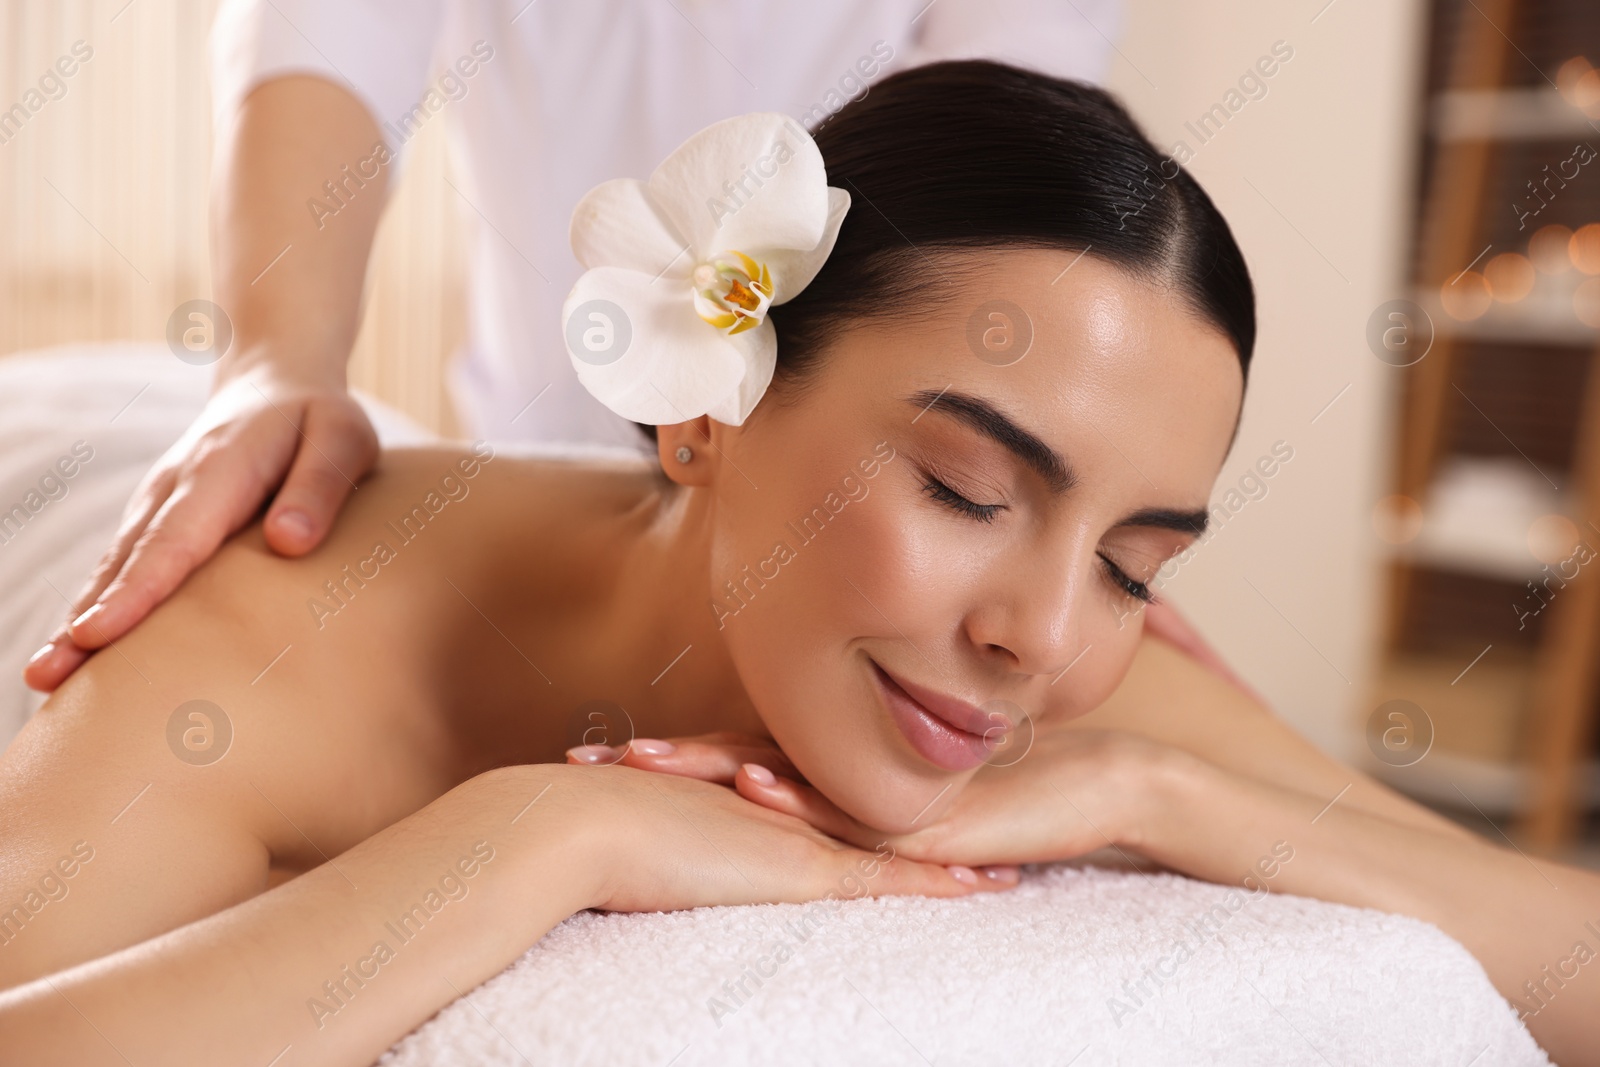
<point x="680" y="677"/>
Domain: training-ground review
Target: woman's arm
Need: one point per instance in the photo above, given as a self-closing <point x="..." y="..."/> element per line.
<point x="1534" y="925"/>
<point x="336" y="965"/>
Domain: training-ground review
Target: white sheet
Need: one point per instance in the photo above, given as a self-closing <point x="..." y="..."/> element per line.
<point x="1026" y="977"/>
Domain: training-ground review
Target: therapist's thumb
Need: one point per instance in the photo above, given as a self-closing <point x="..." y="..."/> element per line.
<point x="337" y="447"/>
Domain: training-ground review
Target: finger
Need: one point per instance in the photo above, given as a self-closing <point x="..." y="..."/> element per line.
<point x="594" y="755"/>
<point x="337" y="446"/>
<point x="146" y="501"/>
<point x="55" y="661"/>
<point x="883" y="874"/>
<point x="757" y="783"/>
<point x="53" y="664"/>
<point x="999" y="877"/>
<point x="216" y="500"/>
<point x="710" y="762"/>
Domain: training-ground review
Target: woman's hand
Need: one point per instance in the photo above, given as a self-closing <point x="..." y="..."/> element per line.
<point x="1075" y="791"/>
<point x="663" y="842"/>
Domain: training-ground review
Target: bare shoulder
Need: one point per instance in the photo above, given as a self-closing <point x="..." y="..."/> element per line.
<point x="1170" y="697"/>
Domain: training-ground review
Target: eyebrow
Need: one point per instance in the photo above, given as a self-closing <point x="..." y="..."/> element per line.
<point x="1189" y="522"/>
<point x="1045" y="461"/>
<point x="996" y="425"/>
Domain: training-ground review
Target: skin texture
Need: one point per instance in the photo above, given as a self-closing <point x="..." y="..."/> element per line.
<point x="377" y="738"/>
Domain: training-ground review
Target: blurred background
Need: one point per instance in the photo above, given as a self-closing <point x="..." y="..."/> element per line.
<point x="1415" y="187"/>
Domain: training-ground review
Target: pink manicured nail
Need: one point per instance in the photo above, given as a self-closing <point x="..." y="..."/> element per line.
<point x="594" y="754"/>
<point x="42" y="653"/>
<point x="1002" y="873"/>
<point x="760" y="775"/>
<point x="649" y="746"/>
<point x="964" y="875"/>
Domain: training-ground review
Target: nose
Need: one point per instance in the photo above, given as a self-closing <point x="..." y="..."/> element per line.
<point x="1032" y="615"/>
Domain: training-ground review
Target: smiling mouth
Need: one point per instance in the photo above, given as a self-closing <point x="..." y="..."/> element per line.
<point x="944" y="736"/>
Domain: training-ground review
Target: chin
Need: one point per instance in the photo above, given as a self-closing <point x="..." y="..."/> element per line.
<point x="878" y="791"/>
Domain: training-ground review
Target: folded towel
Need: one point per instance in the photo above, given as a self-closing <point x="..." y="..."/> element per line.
<point x="1079" y="965"/>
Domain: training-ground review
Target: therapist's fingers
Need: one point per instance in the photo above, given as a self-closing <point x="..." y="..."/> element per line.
<point x="337" y="446"/>
<point x="60" y="656"/>
<point x="232" y="458"/>
<point x="210" y="503"/>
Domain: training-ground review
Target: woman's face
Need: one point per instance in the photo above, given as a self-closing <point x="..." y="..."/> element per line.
<point x="911" y="549"/>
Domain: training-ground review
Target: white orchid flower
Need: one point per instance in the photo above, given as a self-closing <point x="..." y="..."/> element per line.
<point x="669" y="322"/>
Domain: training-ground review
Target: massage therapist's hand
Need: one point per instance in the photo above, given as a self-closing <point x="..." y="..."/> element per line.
<point x="302" y="443"/>
<point x="665" y="842"/>
<point x="1073" y="792"/>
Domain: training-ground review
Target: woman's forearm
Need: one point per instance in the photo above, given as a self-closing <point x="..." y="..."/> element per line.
<point x="1523" y="918"/>
<point x="340" y="962"/>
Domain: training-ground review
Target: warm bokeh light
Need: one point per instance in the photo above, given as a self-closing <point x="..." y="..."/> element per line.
<point x="1568" y="73"/>
<point x="1548" y="248"/>
<point x="1510" y="277"/>
<point x="1579" y="82"/>
<point x="1585" y="248"/>
<point x="1397" y="519"/>
<point x="1552" y="538"/>
<point x="1467" y="297"/>
<point x="1586" y="302"/>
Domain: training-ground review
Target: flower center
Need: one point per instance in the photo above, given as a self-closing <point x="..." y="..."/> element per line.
<point x="732" y="292"/>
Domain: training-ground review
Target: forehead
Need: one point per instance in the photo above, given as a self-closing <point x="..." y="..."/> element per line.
<point x="1110" y="369"/>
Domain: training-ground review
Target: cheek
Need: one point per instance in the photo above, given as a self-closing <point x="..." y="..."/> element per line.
<point x="1093" y="679"/>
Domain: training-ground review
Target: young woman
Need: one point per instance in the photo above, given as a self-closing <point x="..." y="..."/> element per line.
<point x="888" y="608"/>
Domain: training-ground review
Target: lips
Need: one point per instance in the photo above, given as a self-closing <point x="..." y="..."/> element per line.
<point x="947" y="732"/>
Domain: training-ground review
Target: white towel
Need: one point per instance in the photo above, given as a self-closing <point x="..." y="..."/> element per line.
<point x="1048" y="973"/>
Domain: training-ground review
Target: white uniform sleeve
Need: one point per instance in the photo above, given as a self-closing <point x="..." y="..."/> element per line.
<point x="381" y="50"/>
<point x="1068" y="39"/>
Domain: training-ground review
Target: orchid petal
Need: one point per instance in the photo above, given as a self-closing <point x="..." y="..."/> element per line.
<point x="669" y="365"/>
<point x="759" y="349"/>
<point x="749" y="181"/>
<point x="615" y="225"/>
<point x="793" y="268"/>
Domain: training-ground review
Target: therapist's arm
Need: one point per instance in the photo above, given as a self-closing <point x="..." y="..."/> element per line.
<point x="280" y="425"/>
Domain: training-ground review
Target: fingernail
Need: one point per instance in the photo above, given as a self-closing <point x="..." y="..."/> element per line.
<point x="296" y="523"/>
<point x="964" y="875"/>
<point x="759" y="774"/>
<point x="42" y="653"/>
<point x="1002" y="873"/>
<point x="89" y="616"/>
<point x="594" y="754"/>
<point x="649" y="746"/>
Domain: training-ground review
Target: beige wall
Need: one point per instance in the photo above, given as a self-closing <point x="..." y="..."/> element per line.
<point x="1315" y="180"/>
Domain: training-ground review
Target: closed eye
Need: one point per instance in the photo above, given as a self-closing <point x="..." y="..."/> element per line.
<point x="956" y="502"/>
<point x="1137" y="590"/>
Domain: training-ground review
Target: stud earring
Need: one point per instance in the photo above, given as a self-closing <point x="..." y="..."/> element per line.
<point x="684" y="454"/>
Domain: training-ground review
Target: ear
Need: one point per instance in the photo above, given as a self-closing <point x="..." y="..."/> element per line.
<point x="694" y="435"/>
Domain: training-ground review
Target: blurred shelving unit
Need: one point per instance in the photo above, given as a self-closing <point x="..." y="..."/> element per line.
<point x="1493" y="628"/>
